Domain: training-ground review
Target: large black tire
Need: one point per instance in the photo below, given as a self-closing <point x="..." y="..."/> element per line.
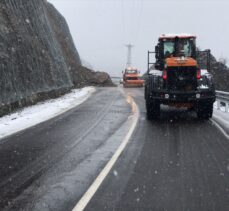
<point x="204" y="110"/>
<point x="152" y="109"/>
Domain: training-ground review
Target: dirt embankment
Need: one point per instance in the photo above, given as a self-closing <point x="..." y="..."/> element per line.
<point x="38" y="58"/>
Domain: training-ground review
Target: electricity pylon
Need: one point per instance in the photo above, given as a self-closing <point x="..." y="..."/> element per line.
<point x="129" y="48"/>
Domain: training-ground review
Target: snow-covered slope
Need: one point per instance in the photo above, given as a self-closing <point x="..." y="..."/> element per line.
<point x="41" y="112"/>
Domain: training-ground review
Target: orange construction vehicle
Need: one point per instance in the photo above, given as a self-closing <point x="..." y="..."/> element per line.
<point x="175" y="79"/>
<point x="131" y="78"/>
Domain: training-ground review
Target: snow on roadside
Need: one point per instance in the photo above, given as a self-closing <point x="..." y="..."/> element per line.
<point x="221" y="117"/>
<point x="42" y="111"/>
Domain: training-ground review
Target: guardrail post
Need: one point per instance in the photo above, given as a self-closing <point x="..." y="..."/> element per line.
<point x="226" y="107"/>
<point x="218" y="104"/>
<point x="222" y="97"/>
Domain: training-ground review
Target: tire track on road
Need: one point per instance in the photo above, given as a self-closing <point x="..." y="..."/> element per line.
<point x="13" y="186"/>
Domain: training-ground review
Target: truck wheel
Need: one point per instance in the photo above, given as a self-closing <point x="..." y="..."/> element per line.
<point x="204" y="110"/>
<point x="152" y="109"/>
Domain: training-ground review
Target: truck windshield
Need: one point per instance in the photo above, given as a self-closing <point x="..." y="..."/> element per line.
<point x="168" y="48"/>
<point x="131" y="71"/>
<point x="184" y="47"/>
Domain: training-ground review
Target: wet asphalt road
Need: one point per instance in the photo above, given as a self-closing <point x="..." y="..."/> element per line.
<point x="49" y="167"/>
<point x="178" y="163"/>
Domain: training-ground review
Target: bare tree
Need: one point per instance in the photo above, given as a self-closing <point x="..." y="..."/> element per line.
<point x="223" y="60"/>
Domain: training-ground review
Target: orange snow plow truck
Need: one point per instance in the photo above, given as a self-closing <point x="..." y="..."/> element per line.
<point x="131" y="78"/>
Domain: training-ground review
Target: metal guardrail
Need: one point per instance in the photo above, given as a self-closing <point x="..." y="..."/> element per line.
<point x="222" y="98"/>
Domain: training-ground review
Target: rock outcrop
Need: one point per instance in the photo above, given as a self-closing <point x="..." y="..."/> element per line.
<point x="38" y="58"/>
<point x="219" y="71"/>
<point x="96" y="78"/>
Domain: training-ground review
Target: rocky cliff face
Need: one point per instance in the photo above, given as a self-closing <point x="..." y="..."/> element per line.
<point x="219" y="71"/>
<point x="38" y="58"/>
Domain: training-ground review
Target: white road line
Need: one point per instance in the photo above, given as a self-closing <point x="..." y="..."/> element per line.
<point x="220" y="128"/>
<point x="82" y="203"/>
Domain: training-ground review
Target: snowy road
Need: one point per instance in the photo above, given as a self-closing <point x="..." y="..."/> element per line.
<point x="51" y="165"/>
<point x="177" y="163"/>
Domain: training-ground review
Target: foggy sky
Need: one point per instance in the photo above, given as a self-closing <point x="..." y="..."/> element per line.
<point x="101" y="28"/>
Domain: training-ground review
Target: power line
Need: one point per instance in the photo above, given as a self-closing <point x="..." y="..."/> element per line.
<point x="139" y="20"/>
